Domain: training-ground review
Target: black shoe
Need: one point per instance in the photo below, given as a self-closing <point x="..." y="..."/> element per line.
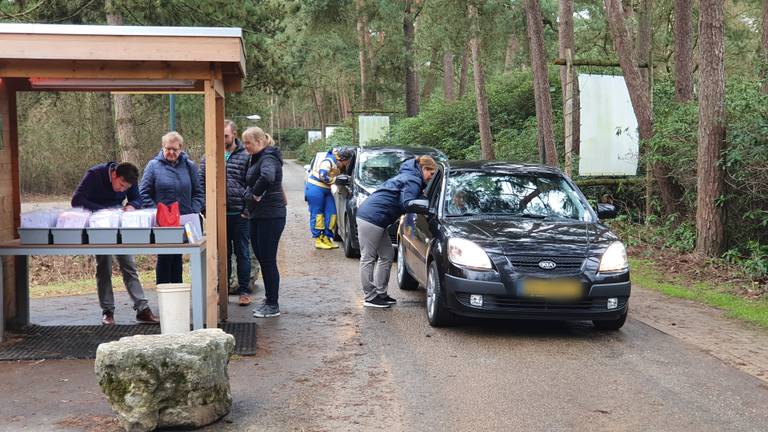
<point x="108" y="318"/>
<point x="387" y="299"/>
<point x="376" y="302"/>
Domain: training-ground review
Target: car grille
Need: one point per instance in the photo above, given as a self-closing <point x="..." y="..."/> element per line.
<point x="530" y="264"/>
<point x="522" y="304"/>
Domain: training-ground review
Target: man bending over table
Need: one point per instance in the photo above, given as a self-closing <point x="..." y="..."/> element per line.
<point x="109" y="185"/>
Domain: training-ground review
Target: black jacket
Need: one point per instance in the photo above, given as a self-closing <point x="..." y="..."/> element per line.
<point x="265" y="179"/>
<point x="237" y="166"/>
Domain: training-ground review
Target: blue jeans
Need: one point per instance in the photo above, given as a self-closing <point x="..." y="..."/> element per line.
<point x="265" y="236"/>
<point x="169" y="269"/>
<point x="238" y="233"/>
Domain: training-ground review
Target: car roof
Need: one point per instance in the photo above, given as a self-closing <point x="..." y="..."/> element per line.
<point x="416" y="150"/>
<point x="502" y="166"/>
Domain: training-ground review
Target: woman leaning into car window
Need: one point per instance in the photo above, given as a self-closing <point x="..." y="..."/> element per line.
<point x="381" y="209"/>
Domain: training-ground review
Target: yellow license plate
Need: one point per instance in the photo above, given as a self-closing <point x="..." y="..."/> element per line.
<point x="552" y="289"/>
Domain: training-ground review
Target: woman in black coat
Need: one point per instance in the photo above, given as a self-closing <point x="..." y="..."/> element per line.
<point x="265" y="206"/>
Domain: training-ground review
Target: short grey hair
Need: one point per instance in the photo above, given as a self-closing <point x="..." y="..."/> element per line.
<point x="172" y="136"/>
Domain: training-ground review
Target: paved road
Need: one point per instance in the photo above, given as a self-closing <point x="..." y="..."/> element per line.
<point x="329" y="364"/>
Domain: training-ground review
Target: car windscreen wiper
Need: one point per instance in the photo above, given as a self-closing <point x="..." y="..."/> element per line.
<point x="465" y="214"/>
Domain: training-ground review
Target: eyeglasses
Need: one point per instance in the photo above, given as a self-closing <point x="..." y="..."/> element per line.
<point x="171" y="150"/>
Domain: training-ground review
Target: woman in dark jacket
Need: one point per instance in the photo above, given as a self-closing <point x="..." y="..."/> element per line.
<point x="385" y="205"/>
<point x="265" y="206"/>
<point x="171" y="177"/>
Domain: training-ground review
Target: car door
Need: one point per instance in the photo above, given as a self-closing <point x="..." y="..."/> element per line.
<point x="422" y="233"/>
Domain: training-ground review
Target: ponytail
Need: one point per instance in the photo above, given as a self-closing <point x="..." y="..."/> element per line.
<point x="257" y="134"/>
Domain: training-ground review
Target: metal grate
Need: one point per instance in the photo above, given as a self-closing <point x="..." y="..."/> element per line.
<point x="80" y="342"/>
<point x="530" y="264"/>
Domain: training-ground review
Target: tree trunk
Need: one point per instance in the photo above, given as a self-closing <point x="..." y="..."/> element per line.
<point x="511" y="51"/>
<point x="448" y="77"/>
<point x="362" y="30"/>
<point x="103" y="103"/>
<point x="764" y="50"/>
<point x="317" y="96"/>
<point x="540" y="83"/>
<point x="125" y="124"/>
<point x="429" y="82"/>
<point x="483" y="118"/>
<point x="644" y="42"/>
<point x="411" y="79"/>
<point x="710" y="176"/>
<point x="683" y="29"/>
<point x="638" y="94"/>
<point x="566" y="39"/>
<point x="464" y="72"/>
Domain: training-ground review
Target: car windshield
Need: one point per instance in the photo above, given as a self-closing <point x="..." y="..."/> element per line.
<point x="377" y="167"/>
<point x="521" y="195"/>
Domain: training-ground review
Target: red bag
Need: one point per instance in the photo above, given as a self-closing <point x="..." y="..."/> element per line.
<point x="168" y="216"/>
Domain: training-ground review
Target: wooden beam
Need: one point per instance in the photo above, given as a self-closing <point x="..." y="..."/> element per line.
<point x="10" y="196"/>
<point x="110" y="47"/>
<point x="212" y="155"/>
<point x="221" y="210"/>
<point x="104" y="69"/>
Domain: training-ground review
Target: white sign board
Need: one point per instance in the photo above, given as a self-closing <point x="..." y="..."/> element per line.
<point x="609" y="134"/>
<point x="372" y="128"/>
<point x="314" y="135"/>
<point x="329" y="130"/>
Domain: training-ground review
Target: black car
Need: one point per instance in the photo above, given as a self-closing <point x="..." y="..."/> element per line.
<point x="503" y="240"/>
<point x="370" y="167"/>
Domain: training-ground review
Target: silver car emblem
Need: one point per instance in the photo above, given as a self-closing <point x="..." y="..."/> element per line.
<point x="547" y="264"/>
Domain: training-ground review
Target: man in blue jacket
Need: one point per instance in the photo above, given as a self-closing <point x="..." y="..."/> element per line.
<point x="109" y="185"/>
<point x="238" y="231"/>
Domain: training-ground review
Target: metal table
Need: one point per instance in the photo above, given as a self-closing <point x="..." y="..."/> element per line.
<point x="196" y="251"/>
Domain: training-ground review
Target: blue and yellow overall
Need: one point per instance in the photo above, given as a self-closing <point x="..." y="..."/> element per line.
<point x="322" y="209"/>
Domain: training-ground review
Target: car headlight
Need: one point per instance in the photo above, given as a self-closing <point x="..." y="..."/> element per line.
<point x="466" y="253"/>
<point x="614" y="259"/>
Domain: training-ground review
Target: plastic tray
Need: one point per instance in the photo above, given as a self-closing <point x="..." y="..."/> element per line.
<point x="67" y="235"/>
<point x="169" y="234"/>
<point x="135" y="235"/>
<point x="35" y="235"/>
<point x="102" y="235"/>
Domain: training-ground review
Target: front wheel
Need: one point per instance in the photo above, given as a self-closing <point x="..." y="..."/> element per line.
<point x="405" y="281"/>
<point x="349" y="250"/>
<point x="612" y="324"/>
<point x="437" y="314"/>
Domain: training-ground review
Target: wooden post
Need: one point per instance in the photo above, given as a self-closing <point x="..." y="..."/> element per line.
<point x="215" y="193"/>
<point x="568" y="114"/>
<point x="10" y="199"/>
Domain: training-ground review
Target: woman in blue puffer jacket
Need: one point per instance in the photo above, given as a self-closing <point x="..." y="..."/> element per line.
<point x="172" y="177"/>
<point x="378" y="211"/>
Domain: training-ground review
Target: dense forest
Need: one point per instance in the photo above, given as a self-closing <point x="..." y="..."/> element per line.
<point x="477" y="79"/>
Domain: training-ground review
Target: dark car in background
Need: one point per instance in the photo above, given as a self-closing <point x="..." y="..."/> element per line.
<point x="505" y="240"/>
<point x="370" y="167"/>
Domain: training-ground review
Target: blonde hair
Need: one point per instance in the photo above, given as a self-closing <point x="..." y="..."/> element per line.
<point x="172" y="136"/>
<point x="427" y="163"/>
<point x="257" y="134"/>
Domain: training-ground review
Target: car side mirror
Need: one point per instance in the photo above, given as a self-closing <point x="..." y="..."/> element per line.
<point x="418" y="206"/>
<point x="306" y="167"/>
<point x="342" y="180"/>
<point x="606" y="211"/>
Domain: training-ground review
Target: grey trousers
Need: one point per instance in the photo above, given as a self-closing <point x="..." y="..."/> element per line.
<point x="130" y="278"/>
<point x="376" y="256"/>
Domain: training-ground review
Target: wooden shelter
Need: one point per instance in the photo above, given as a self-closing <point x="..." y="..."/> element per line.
<point x="43" y="57"/>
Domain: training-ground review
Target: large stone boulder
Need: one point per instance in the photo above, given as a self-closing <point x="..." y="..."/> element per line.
<point x="174" y="380"/>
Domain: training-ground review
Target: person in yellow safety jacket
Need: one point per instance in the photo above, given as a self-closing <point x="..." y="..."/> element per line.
<point x="322" y="209"/>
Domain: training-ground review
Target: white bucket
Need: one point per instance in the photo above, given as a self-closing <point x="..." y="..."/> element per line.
<point x="173" y="304"/>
